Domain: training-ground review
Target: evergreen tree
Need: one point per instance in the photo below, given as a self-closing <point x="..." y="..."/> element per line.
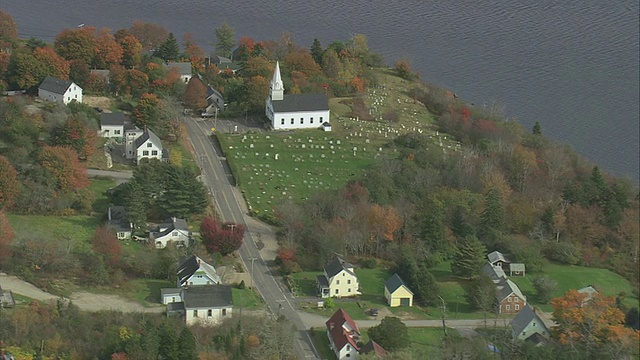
<point x="136" y="206"/>
<point x="537" y="129"/>
<point x="460" y="225"/>
<point x="168" y="349"/>
<point x="391" y="334"/>
<point x="492" y="218"/>
<point x="425" y="287"/>
<point x="183" y="194"/>
<point x="317" y="51"/>
<point x="187" y="345"/>
<point x="469" y="258"/>
<point x="226" y="37"/>
<point x="433" y="228"/>
<point x="169" y="49"/>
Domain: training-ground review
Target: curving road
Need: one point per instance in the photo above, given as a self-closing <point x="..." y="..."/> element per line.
<point x="228" y="200"/>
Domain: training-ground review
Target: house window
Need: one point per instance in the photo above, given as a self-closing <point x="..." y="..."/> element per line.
<point x="195" y="313"/>
<point x="149" y="145"/>
<point x="224" y="312"/>
<point x="291" y="121"/>
<point x="282" y="121"/>
<point x="154" y="152"/>
<point x="121" y="234"/>
<point x="509" y="299"/>
<point x="524" y="333"/>
<point x="301" y="120"/>
<point x="518" y="308"/>
<point x="320" y="118"/>
<point x="349" y="290"/>
<point x="175" y="233"/>
<point x="173" y="299"/>
<point x="209" y="312"/>
<point x="311" y="120"/>
<point x="145" y="153"/>
<point x="337" y="282"/>
<point x="117" y="132"/>
<point x="337" y="290"/>
<point x="348" y="281"/>
<point x="516" y="299"/>
<point x="508" y="307"/>
<point x="534" y="323"/>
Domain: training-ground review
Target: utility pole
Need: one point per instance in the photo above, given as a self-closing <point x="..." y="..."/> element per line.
<point x="444" y="309"/>
<point x="252" y="260"/>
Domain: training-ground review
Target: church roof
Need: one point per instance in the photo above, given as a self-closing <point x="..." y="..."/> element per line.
<point x="276" y="81"/>
<point x="301" y="102"/>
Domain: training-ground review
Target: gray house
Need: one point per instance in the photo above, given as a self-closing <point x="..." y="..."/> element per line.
<point x="526" y="324"/>
<point x="184" y="69"/>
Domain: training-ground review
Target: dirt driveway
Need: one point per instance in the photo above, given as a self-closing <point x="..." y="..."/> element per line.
<point x="84" y="300"/>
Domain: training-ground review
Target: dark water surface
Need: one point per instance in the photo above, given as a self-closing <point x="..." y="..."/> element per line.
<point x="573" y="66"/>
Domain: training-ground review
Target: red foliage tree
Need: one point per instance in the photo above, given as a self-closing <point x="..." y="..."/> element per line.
<point x="108" y="51"/>
<point x="106" y="244"/>
<point x="8" y="184"/>
<point x="54" y="64"/>
<point x="76" y="133"/>
<point x="74" y="44"/>
<point x="6" y="237"/>
<point x="195" y="95"/>
<point x="62" y="164"/>
<point x="223" y="239"/>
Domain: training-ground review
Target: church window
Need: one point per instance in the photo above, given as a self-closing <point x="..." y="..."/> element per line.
<point x="320" y="118"/>
<point x="292" y="121"/>
<point x="312" y="120"/>
<point x="301" y="120"/>
<point x="282" y="121"/>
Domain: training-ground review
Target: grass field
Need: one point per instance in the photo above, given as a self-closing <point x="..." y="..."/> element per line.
<point x="99" y="187"/>
<point x="77" y="229"/>
<point x="429" y="340"/>
<point x="246" y="299"/>
<point x="576" y="277"/>
<point x="321" y="342"/>
<point x="309" y="161"/>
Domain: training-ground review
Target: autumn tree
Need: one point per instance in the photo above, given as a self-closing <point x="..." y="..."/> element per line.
<point x="8" y="28"/>
<point x="108" y="51"/>
<point x="9" y="186"/>
<point x="226" y="39"/>
<point x="79" y="73"/>
<point x="74" y="44"/>
<point x="105" y="243"/>
<point x="131" y="51"/>
<point x="76" y="133"/>
<point x="194" y="52"/>
<point x="302" y="61"/>
<point x="53" y="64"/>
<point x="256" y="66"/>
<point x="195" y="96"/>
<point x="150" y="35"/>
<point x="392" y="334"/>
<point x="147" y="112"/>
<point x="403" y="69"/>
<point x="593" y="327"/>
<point x="24" y="70"/>
<point x="469" y="257"/>
<point x="481" y="294"/>
<point x="545" y="287"/>
<point x="221" y="238"/>
<point x="257" y="91"/>
<point x="62" y="164"/>
<point x="6" y="237"/>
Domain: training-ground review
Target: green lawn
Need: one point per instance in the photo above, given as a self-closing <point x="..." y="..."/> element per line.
<point x="99" y="187"/>
<point x="76" y="229"/>
<point x="305" y="283"/>
<point x="246" y="299"/>
<point x="321" y="342"/>
<point x="429" y="340"/>
<point x="187" y="159"/>
<point x="576" y="277"/>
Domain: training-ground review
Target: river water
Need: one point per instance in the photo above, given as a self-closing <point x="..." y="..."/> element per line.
<point x="571" y="65"/>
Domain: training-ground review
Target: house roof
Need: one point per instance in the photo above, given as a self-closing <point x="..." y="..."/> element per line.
<point x="189" y="266"/>
<point x="537" y="339"/>
<point x="507" y="287"/>
<point x="516" y="267"/>
<point x="589" y="290"/>
<point x="322" y="281"/>
<point x="338" y="333"/>
<point x="175" y="224"/>
<point x="117" y="218"/>
<point x="524" y="318"/>
<point x="336" y="265"/>
<point x="55" y="85"/>
<point x="301" y="102"/>
<point x="496" y="256"/>
<point x="394" y="282"/>
<point x="374" y="347"/>
<point x="495" y="273"/>
<point x="175" y="307"/>
<point x="148" y="135"/>
<point x="217" y="59"/>
<point x="184" y="68"/>
<point x="115" y="119"/>
<point x="203" y="296"/>
<point x="169" y="291"/>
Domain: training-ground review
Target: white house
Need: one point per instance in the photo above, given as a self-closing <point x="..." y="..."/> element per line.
<point x="57" y="90"/>
<point x="208" y="304"/>
<point x="338" y="280"/>
<point x="148" y="146"/>
<point x="496" y="258"/>
<point x="344" y="335"/>
<point x="295" y="111"/>
<point x="203" y="305"/>
<point x="112" y="125"/>
<point x="526" y="324"/>
<point x="118" y="221"/>
<point x="176" y="231"/>
<point x="183" y="68"/>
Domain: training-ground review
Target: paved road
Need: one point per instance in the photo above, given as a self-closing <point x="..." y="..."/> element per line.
<point x="119" y="176"/>
<point x="229" y="203"/>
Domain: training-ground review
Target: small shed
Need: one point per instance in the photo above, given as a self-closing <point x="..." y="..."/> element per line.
<point x="516" y="269"/>
<point x="397" y="293"/>
<point x="326" y="126"/>
<point x="496" y="258"/>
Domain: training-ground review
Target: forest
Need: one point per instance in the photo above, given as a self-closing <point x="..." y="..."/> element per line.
<point x="509" y="189"/>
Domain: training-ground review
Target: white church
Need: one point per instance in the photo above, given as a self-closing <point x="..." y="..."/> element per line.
<point x="295" y="111"/>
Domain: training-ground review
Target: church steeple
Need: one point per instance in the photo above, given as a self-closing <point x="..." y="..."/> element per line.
<point x="276" y="90"/>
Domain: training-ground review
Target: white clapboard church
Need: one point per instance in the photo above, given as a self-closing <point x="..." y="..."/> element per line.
<point x="295" y="111"/>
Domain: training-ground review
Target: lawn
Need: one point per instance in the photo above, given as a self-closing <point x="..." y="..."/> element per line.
<point x="76" y="229"/>
<point x="145" y="291"/>
<point x="178" y="151"/>
<point x="576" y="277"/>
<point x="321" y="342"/>
<point x="99" y="187"/>
<point x="429" y="340"/>
<point x="246" y="299"/>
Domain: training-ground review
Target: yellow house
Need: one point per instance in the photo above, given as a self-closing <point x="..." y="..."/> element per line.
<point x="397" y="293"/>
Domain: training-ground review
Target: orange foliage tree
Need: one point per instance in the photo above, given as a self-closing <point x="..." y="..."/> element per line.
<point x="76" y="133"/>
<point x="592" y="326"/>
<point x="8" y="184"/>
<point x="6" y="237"/>
<point x="131" y="51"/>
<point x="195" y="95"/>
<point x="61" y="162"/>
<point x="107" y="51"/>
<point x="55" y="65"/>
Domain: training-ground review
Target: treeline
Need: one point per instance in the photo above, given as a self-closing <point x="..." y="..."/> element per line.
<point x="514" y="190"/>
<point x="60" y="331"/>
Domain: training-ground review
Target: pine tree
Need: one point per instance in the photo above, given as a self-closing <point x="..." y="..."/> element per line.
<point x="169" y="49"/>
<point x="136" y="206"/>
<point x="469" y="258"/>
<point x="492" y="218"/>
<point x="317" y="51"/>
<point x="226" y="37"/>
<point x="537" y="129"/>
<point x="187" y="345"/>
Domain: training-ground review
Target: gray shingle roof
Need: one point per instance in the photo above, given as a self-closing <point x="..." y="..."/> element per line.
<point x="495" y="273"/>
<point x="169" y="291"/>
<point x="116" y="118"/>
<point x="190" y="265"/>
<point x="335" y="265"/>
<point x="55" y="85"/>
<point x="322" y="281"/>
<point x="184" y="68"/>
<point x="516" y="267"/>
<point x="495" y="256"/>
<point x="507" y="287"/>
<point x="523" y="318"/>
<point x="148" y="135"/>
<point x="301" y="102"/>
<point x="207" y="296"/>
<point x="394" y="282"/>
